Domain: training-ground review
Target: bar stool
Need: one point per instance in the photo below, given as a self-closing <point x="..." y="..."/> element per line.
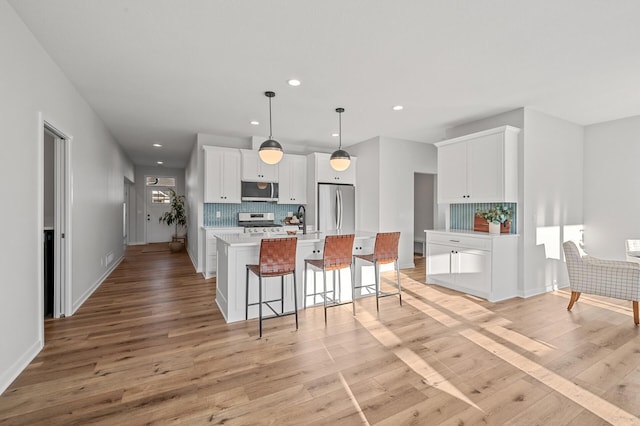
<point x="385" y="251"/>
<point x="337" y="255"/>
<point x="277" y="259"/>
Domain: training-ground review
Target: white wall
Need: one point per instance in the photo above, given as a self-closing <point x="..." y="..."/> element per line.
<point x="49" y="179"/>
<point x="31" y="83"/>
<point x="424" y="204"/>
<point x="386" y="168"/>
<point x="367" y="184"/>
<point x="611" y="183"/>
<point x="553" y="194"/>
<point x="138" y="217"/>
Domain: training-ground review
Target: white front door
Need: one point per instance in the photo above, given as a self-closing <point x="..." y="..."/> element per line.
<point x="158" y="202"/>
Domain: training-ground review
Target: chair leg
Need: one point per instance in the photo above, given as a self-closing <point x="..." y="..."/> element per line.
<point x="295" y="297"/>
<point x="399" y="289"/>
<point x="260" y="302"/>
<point x="636" y="318"/>
<point x="377" y="274"/>
<point x="246" y="306"/>
<point x="578" y="296"/>
<point x="574" y="298"/>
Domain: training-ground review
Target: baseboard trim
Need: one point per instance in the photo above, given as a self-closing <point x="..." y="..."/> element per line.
<point x="8" y="376"/>
<point x="193" y="260"/>
<point x="542" y="290"/>
<point x="136" y="244"/>
<point x="83" y="298"/>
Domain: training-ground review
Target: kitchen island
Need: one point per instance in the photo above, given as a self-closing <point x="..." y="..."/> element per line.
<point x="235" y="251"/>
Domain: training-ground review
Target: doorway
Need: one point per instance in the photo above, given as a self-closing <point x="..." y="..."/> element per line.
<point x="424" y="202"/>
<point x="56" y="222"/>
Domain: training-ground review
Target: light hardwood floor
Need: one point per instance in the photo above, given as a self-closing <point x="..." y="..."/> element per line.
<point x="150" y="346"/>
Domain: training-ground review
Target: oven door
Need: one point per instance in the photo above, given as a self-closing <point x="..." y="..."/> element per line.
<point x="259" y="191"/>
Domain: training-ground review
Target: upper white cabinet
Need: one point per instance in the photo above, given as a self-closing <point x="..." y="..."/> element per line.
<point x="293" y="179"/>
<point x="326" y="174"/>
<point x="221" y="175"/>
<point x="255" y="170"/>
<point x="479" y="168"/>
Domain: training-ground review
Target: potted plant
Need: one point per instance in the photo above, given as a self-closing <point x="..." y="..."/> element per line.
<point x="177" y="215"/>
<point x="496" y="216"/>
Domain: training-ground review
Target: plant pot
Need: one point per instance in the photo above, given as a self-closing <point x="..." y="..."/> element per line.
<point x="494" y="228"/>
<point x="176" y="246"/>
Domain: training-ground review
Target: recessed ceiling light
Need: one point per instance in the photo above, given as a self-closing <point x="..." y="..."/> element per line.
<point x="160" y="162"/>
<point x="398" y="108"/>
<point x="294" y="82"/>
<point x="255" y="123"/>
<point x="157" y="145"/>
<point x="335" y="135"/>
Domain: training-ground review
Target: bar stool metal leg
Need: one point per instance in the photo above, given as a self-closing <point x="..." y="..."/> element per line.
<point x="353" y="285"/>
<point x="260" y="302"/>
<point x="282" y="294"/>
<point x="377" y="273"/>
<point x="295" y="297"/>
<point x="399" y="289"/>
<point x="246" y="305"/>
<point x="324" y="288"/>
<point x="304" y="286"/>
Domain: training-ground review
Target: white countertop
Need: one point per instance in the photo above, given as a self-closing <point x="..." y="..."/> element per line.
<point x="242" y="239"/>
<point x="471" y="233"/>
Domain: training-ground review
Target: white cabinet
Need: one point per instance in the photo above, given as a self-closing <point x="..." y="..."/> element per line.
<point x="221" y="175"/>
<point x="255" y="170"/>
<point x="211" y="244"/>
<point x="293" y="180"/>
<point x="325" y="174"/>
<point x="478" y="168"/>
<point x="479" y="264"/>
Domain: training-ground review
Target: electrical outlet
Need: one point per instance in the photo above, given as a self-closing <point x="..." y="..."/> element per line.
<point x="289" y="214"/>
<point x="218" y="215"/>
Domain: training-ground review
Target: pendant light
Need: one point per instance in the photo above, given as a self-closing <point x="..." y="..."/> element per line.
<point x="270" y="150"/>
<point x="340" y="159"/>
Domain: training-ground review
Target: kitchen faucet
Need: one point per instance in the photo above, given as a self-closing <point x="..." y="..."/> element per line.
<point x="302" y="218"/>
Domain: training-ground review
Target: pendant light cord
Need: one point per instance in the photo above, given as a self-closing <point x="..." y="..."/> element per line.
<point x="270" y="132"/>
<point x="340" y="129"/>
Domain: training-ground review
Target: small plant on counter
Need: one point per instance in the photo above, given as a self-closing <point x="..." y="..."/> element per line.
<point x="496" y="214"/>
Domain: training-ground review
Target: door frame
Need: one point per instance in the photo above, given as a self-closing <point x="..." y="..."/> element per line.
<point x="63" y="212"/>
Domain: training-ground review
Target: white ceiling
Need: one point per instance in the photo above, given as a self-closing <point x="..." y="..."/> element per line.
<point x="164" y="70"/>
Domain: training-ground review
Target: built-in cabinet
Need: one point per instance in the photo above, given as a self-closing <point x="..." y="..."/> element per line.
<point x="480" y="167"/>
<point x="221" y="175"/>
<point x="255" y="170"/>
<point x="324" y="173"/>
<point x="483" y="265"/>
<point x="293" y="179"/>
<point x="211" y="244"/>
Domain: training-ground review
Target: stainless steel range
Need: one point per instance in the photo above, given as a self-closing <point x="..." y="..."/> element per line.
<point x="259" y="223"/>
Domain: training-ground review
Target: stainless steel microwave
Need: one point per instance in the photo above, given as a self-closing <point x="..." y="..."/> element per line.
<point x="259" y="191"/>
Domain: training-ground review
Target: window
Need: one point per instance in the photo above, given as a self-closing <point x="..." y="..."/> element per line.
<point x="160" y="197"/>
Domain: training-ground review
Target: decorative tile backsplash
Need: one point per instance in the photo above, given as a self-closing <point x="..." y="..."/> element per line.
<point x="229" y="212"/>
<point x="462" y="215"/>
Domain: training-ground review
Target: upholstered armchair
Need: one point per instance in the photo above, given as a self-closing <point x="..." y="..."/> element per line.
<point x="611" y="278"/>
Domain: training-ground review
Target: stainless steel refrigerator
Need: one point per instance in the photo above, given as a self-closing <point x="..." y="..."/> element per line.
<point x="336" y="207"/>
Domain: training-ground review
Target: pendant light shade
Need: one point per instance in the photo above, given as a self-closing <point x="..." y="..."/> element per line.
<point x="270" y="151"/>
<point x="340" y="159"/>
